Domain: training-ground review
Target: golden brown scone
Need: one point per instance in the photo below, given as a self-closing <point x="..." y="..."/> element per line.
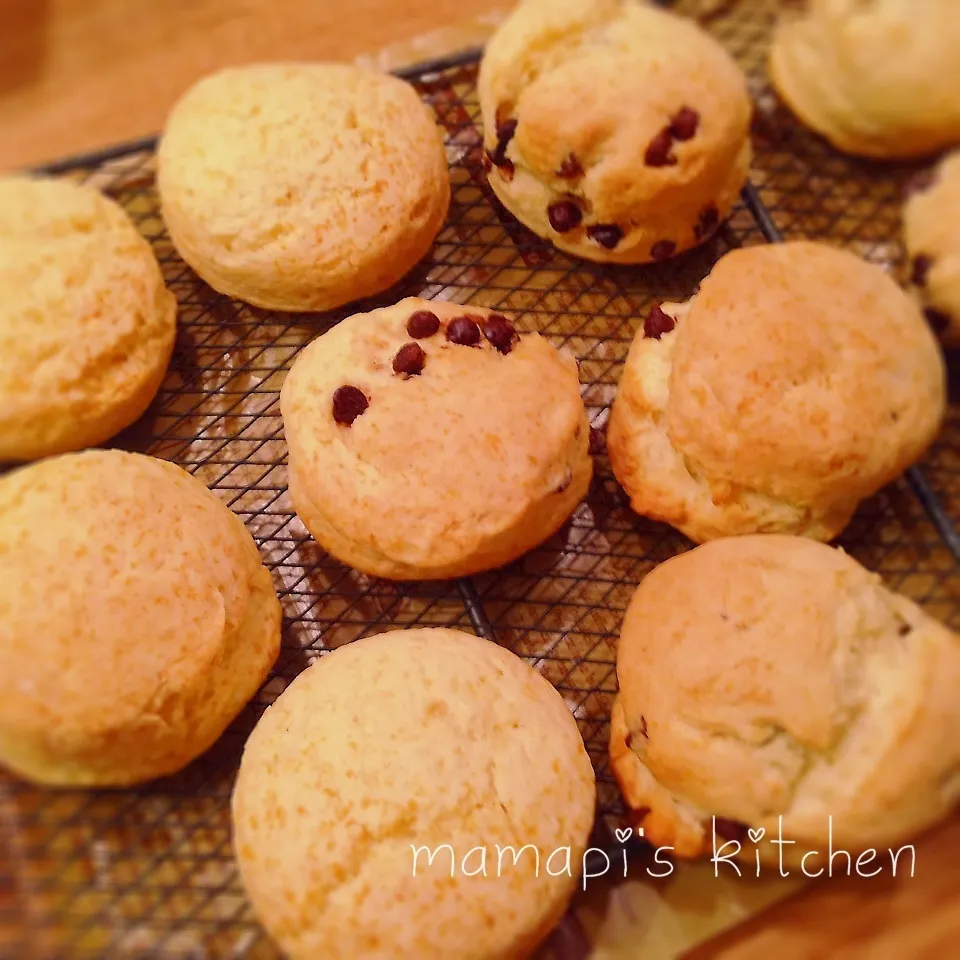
<point x="136" y="619"/>
<point x="770" y="676"/>
<point x="931" y="232"/>
<point x="878" y="79"/>
<point x="460" y="467"/>
<point x="400" y="741"/>
<point x="617" y="131"/>
<point x="302" y="186"/>
<point x="797" y="382"/>
<point x="86" y="323"/>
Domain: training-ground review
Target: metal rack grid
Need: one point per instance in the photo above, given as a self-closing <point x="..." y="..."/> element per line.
<point x="149" y="872"/>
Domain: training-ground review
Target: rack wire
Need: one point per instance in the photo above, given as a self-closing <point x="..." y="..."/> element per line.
<point x="149" y="872"/>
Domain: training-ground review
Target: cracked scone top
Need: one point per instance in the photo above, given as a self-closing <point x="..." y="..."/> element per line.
<point x="86" y="324"/>
<point x="414" y="738"/>
<point x="877" y="79"/>
<point x="615" y="130"/>
<point x="136" y="619"/>
<point x="797" y="382"/>
<point x="767" y="675"/>
<point x="931" y="233"/>
<point x="299" y="186"/>
<point x="430" y="440"/>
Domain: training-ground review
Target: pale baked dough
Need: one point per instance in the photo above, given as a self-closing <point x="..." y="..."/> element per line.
<point x="86" y="324"/>
<point x="796" y="383"/>
<point x="574" y="93"/>
<point x="461" y="468"/>
<point x="877" y="78"/>
<point x="931" y="233"/>
<point x="297" y="186"/>
<point x="412" y="739"/>
<point x="768" y="676"/>
<point x="137" y="619"/>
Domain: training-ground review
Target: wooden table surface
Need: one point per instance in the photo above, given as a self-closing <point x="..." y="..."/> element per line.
<point x="78" y="74"/>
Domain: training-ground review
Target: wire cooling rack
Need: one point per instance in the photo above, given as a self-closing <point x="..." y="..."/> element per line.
<point x="149" y="872"/>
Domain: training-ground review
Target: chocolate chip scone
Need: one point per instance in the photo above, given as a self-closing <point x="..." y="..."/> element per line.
<point x="615" y="130"/>
<point x="770" y="676"/>
<point x="431" y="440"/>
<point x="798" y="381"/>
<point x="877" y="78"/>
<point x="931" y="233"/>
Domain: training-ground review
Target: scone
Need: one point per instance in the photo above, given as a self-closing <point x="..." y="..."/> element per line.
<point x="797" y="382"/>
<point x="384" y="798"/>
<point x="137" y="619"/>
<point x="86" y="324"/>
<point x="429" y="440"/>
<point x="878" y="79"/>
<point x="615" y="130"/>
<point x="771" y="676"/>
<point x="931" y="232"/>
<point x="299" y="186"/>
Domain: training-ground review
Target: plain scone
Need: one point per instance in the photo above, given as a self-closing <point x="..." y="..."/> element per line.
<point x="878" y="79"/>
<point x="136" y="619"/>
<point x="412" y="739"/>
<point x="86" y="324"/>
<point x="796" y="383"/>
<point x="772" y="676"/>
<point x="459" y="468"/>
<point x="301" y="187"/>
<point x="931" y="234"/>
<point x="617" y="131"/>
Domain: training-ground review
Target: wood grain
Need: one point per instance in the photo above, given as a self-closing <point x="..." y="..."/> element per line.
<point x="79" y="74"/>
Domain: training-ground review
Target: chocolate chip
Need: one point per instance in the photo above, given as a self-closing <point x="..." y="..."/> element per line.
<point x="506" y="169"/>
<point x="707" y="222"/>
<point x="565" y="482"/>
<point x="423" y="324"/>
<point x="919" y="182"/>
<point x="729" y="829"/>
<point x="597" y="443"/>
<point x="500" y="332"/>
<point x="606" y="234"/>
<point x="904" y="628"/>
<point x="505" y="132"/>
<point x="937" y="319"/>
<point x="348" y="403"/>
<point x="658" y="153"/>
<point x="570" y="169"/>
<point x="662" y="249"/>
<point x="658" y="323"/>
<point x="628" y="741"/>
<point x="921" y="265"/>
<point x="410" y="359"/>
<point x="463" y="331"/>
<point x="564" y="215"/>
<point x="643" y="728"/>
<point x="684" y="125"/>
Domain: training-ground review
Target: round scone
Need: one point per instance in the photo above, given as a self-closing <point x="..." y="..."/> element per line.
<point x="299" y="186"/>
<point x="136" y="619"/>
<point x="770" y="676"/>
<point x="615" y="130"/>
<point x="429" y="440"/>
<point x="797" y="382"/>
<point x="931" y="228"/>
<point x="384" y="798"/>
<point x="86" y="324"/>
<point x="878" y="79"/>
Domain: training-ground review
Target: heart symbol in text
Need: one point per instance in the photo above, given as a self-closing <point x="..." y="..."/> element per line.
<point x="623" y="835"/>
<point x="756" y="835"/>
